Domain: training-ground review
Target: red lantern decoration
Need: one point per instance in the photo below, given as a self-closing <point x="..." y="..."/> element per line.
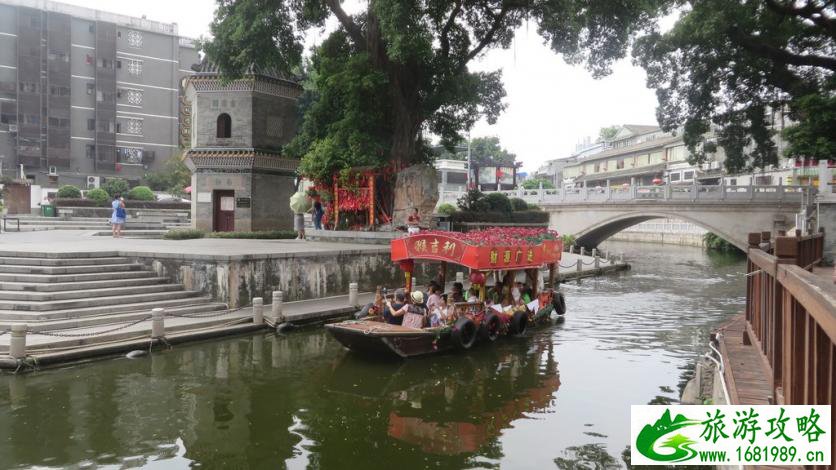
<point x="477" y="277"/>
<point x="657" y="181"/>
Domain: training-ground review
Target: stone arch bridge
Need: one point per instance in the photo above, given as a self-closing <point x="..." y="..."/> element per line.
<point x="595" y="214"/>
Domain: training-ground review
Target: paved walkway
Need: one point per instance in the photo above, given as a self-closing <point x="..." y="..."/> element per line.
<point x="68" y="241"/>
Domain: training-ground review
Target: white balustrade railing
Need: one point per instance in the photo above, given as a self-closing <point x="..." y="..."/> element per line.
<point x="696" y="192"/>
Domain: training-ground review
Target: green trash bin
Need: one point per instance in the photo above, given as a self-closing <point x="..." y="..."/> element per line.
<point x="48" y="210"/>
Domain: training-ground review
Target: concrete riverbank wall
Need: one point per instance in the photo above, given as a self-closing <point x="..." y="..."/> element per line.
<point x="666" y="231"/>
<point x="237" y="279"/>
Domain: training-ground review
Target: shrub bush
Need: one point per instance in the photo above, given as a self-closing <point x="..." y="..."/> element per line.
<point x="498" y="202"/>
<point x="521" y="217"/>
<point x="473" y="200"/>
<point x="519" y="204"/>
<point x="184" y="234"/>
<point x="69" y="190"/>
<point x="141" y="193"/>
<point x="115" y="186"/>
<point x="446" y="209"/>
<point x="98" y="195"/>
<point x="262" y="235"/>
<point x="183" y="206"/>
<point x="714" y="242"/>
<point x="568" y="240"/>
<point x="534" y="207"/>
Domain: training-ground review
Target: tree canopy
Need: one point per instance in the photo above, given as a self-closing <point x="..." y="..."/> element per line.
<point x="484" y="151"/>
<point x="534" y="183"/>
<point x="728" y="66"/>
<point x="400" y="68"/>
<point x="607" y="133"/>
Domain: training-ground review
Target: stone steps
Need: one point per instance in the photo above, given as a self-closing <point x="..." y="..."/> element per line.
<point x="80" y="269"/>
<point x="16" y="261"/>
<point x="46" y="286"/>
<point x="92" y="301"/>
<point x="82" y="322"/>
<point x="69" y="313"/>
<point x="28" y="296"/>
<point x="62" y="279"/>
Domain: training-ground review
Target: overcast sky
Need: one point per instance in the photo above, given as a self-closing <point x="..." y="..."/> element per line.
<point x="551" y="105"/>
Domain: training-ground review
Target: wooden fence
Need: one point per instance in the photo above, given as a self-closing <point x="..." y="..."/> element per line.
<point x="791" y="316"/>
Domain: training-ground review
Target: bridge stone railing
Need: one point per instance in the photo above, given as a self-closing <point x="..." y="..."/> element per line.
<point x="694" y="193"/>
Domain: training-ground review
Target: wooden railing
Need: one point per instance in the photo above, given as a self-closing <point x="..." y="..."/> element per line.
<point x="791" y="316"/>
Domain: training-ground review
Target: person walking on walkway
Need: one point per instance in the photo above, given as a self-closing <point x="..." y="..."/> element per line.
<point x="318" y="212"/>
<point x="117" y="219"/>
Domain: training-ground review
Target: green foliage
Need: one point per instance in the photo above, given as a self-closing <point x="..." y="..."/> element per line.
<point x="568" y="240"/>
<point x="115" y="186"/>
<point x="259" y="235"/>
<point x="99" y="195"/>
<point x="172" y="178"/>
<point x="184" y="234"/>
<point x="813" y="136"/>
<point x="498" y="202"/>
<point x="499" y="218"/>
<point x="69" y="191"/>
<point x="446" y="209"/>
<point x="473" y="201"/>
<point x="728" y="64"/>
<point x="534" y="183"/>
<point x="141" y="193"/>
<point x="534" y="207"/>
<point x="400" y="68"/>
<point x="486" y="151"/>
<point x="519" y="204"/>
<point x="714" y="242"/>
<point x="607" y="133"/>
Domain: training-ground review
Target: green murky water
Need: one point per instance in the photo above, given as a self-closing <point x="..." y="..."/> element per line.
<point x="557" y="398"/>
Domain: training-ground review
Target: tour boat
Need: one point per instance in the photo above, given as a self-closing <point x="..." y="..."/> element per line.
<point x="499" y="251"/>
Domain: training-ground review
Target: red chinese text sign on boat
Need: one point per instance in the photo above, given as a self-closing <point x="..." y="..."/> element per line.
<point x="494" y="248"/>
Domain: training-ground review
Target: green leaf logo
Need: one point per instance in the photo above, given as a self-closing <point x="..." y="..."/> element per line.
<point x="681" y="445"/>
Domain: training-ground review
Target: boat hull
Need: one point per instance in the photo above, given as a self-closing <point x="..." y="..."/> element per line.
<point x="381" y="339"/>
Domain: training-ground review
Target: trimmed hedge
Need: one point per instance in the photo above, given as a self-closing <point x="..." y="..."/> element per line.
<point x="262" y="235"/>
<point x="519" y="217"/>
<point x="184" y="234"/>
<point x="446" y="209"/>
<point x="69" y="190"/>
<point x="99" y="195"/>
<point x="63" y="202"/>
<point x="141" y="193"/>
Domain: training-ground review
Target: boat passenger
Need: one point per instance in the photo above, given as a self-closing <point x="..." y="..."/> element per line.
<point x="434" y="296"/>
<point x="412" y="314"/>
<point x="393" y="312"/>
<point x="458" y="292"/>
<point x="473" y="295"/>
<point x="439" y="314"/>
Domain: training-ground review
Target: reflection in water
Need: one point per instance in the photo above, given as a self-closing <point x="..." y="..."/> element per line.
<point x="559" y="396"/>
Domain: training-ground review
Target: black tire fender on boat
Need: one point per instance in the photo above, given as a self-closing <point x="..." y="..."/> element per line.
<point x="559" y="303"/>
<point x="519" y="322"/>
<point x="464" y="333"/>
<point x="490" y="327"/>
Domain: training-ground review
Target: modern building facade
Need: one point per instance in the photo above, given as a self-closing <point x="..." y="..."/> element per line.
<point x="87" y="95"/>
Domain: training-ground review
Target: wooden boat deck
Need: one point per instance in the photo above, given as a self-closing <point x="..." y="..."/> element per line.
<point x="375" y="328"/>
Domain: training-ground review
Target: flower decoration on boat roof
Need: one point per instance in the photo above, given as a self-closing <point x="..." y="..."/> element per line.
<point x="501" y="236"/>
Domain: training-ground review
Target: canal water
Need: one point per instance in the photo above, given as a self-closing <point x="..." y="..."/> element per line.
<point x="558" y="398"/>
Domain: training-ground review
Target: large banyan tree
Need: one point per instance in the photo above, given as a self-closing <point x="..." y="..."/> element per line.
<point x="400" y="68"/>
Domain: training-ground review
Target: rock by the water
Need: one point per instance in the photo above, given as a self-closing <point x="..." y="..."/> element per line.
<point x="416" y="186"/>
<point x="136" y="353"/>
<point x="283" y="327"/>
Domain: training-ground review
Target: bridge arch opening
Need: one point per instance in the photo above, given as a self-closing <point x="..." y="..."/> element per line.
<point x="596" y="234"/>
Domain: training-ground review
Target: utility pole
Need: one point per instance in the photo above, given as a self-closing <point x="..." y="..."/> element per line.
<point x="469" y="168"/>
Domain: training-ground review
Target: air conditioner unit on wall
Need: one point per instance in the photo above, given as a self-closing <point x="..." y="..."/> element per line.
<point x="53" y="171"/>
<point x="93" y="182"/>
<point x="13" y="128"/>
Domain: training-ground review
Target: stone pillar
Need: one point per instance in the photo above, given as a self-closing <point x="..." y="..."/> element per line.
<point x="580" y="265"/>
<point x="17" y="341"/>
<point x="595" y="252"/>
<point x="258" y="311"/>
<point x="352" y="294"/>
<point x="158" y="323"/>
<point x="277" y="307"/>
<point x="597" y="261"/>
<point x="583" y="251"/>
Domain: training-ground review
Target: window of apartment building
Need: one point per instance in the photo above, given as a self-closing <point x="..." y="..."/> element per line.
<point x="91" y="88"/>
<point x="130" y="155"/>
<point x="8" y="118"/>
<point x="31" y="119"/>
<point x="59" y="122"/>
<point x="91" y="124"/>
<point x="106" y="126"/>
<point x="763" y="180"/>
<point x="733" y="182"/>
<point x="135" y="39"/>
<point x="90" y="151"/>
<point x="89" y="59"/>
<point x="106" y="63"/>
<point x="674" y="177"/>
<point x="619" y="165"/>
<point x="132" y="126"/>
<point x="130" y="95"/>
<point x="597" y="167"/>
<point x="688" y="175"/>
<point x="59" y="91"/>
<point x="223" y="126"/>
<point x="134" y="67"/>
<point x="91" y="27"/>
<point x="29" y="87"/>
<point x="60" y="56"/>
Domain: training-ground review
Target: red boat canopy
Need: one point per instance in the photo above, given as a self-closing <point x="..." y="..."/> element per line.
<point x="483" y="250"/>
